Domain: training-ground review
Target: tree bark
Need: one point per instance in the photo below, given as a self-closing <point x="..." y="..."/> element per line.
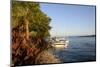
<point x="27" y="29"/>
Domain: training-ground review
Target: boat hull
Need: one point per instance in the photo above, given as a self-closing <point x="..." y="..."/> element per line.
<point x="61" y="45"/>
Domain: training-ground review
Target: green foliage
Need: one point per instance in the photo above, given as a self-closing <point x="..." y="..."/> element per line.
<point x="38" y="21"/>
<point x="33" y="33"/>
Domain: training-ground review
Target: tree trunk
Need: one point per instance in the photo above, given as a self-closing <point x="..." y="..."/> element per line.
<point x="27" y="29"/>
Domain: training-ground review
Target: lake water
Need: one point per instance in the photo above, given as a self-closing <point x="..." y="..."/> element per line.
<point x="80" y="49"/>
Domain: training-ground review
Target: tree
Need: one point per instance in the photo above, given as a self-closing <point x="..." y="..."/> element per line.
<point x="29" y="23"/>
<point x="29" y="13"/>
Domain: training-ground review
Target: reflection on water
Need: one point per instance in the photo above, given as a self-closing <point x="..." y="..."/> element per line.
<point x="79" y="49"/>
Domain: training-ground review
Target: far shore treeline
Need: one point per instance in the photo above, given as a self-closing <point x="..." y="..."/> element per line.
<point x="88" y="36"/>
<point x="30" y="28"/>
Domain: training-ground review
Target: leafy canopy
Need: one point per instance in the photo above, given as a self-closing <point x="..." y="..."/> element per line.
<point x="30" y="11"/>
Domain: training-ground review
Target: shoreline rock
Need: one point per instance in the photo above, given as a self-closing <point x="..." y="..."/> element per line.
<point x="46" y="57"/>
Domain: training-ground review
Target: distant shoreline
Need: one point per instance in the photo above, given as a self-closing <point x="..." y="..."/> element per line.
<point x="78" y="36"/>
<point x="87" y="36"/>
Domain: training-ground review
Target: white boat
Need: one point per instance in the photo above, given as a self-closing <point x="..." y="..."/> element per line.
<point x="60" y="43"/>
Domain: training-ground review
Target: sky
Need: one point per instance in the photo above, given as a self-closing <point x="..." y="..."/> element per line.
<point x="70" y="20"/>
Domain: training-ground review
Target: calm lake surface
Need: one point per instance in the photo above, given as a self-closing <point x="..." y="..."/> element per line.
<point x="80" y="49"/>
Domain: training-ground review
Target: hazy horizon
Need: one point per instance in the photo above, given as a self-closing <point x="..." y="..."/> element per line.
<point x="70" y="20"/>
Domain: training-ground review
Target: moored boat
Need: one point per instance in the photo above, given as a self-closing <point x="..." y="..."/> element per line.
<point x="60" y="43"/>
